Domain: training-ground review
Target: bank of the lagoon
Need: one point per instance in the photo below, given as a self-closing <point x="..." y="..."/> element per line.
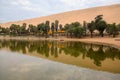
<point x="110" y="41"/>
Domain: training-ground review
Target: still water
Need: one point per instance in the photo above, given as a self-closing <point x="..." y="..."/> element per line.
<point x="56" y="60"/>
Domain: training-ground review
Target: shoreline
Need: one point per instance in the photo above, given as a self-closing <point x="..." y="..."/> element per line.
<point x="108" y="41"/>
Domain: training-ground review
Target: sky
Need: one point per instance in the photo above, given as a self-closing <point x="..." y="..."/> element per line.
<point x="14" y="10"/>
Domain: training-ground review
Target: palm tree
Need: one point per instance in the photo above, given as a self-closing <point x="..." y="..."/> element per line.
<point x="98" y="18"/>
<point x="101" y="26"/>
<point x="15" y="29"/>
<point x="32" y="29"/>
<point x="56" y="25"/>
<point x="40" y="28"/>
<point x="52" y="28"/>
<point x="66" y="28"/>
<point x="60" y="27"/>
<point x="78" y="31"/>
<point x="112" y="29"/>
<point x="23" y="28"/>
<point x="85" y="27"/>
<point x="91" y="27"/>
<point x="47" y="28"/>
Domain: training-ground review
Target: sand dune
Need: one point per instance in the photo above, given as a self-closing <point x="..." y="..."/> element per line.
<point x="111" y="14"/>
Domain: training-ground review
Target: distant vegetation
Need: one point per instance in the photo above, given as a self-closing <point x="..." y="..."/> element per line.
<point x="74" y="29"/>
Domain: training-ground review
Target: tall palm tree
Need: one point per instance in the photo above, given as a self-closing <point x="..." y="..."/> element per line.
<point x="101" y="26"/>
<point x="53" y="28"/>
<point x="56" y="25"/>
<point x="91" y="27"/>
<point x="47" y="28"/>
<point x="60" y="28"/>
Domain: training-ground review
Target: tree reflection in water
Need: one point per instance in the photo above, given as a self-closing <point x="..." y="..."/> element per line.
<point x="97" y="53"/>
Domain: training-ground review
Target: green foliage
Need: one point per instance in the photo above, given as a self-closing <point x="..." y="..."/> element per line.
<point x="56" y="25"/>
<point x="112" y="29"/>
<point x="100" y="24"/>
<point x="74" y="29"/>
<point x="98" y="18"/>
<point x="4" y="30"/>
<point x="60" y="27"/>
<point x="78" y="31"/>
<point x="40" y="27"/>
<point x="46" y="28"/>
<point x="118" y="26"/>
<point x="52" y="28"/>
<point x="32" y="29"/>
<point x="91" y="27"/>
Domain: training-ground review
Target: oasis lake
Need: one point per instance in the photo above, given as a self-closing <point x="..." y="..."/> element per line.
<point x="51" y="60"/>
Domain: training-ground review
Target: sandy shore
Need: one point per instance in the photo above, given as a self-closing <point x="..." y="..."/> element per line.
<point x="114" y="42"/>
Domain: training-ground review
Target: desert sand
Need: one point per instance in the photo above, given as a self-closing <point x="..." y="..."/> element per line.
<point x="110" y="13"/>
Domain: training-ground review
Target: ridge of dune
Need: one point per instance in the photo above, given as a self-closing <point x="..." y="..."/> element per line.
<point x="110" y="13"/>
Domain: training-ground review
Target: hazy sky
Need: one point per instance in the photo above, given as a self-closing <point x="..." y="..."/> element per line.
<point x="11" y="10"/>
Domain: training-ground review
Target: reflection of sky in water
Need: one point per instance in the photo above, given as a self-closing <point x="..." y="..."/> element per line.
<point x="22" y="67"/>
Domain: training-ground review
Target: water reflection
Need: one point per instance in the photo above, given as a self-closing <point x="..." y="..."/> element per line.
<point x="31" y="68"/>
<point x="96" y="53"/>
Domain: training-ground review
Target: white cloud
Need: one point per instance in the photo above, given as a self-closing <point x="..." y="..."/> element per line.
<point x="35" y="8"/>
<point x="65" y="4"/>
<point x="21" y="2"/>
<point x="25" y="5"/>
<point x="69" y="5"/>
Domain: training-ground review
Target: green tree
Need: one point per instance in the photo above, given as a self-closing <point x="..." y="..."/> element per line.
<point x="112" y="29"/>
<point x="56" y="25"/>
<point x="15" y="29"/>
<point x="5" y="31"/>
<point x="66" y="27"/>
<point x="98" y="18"/>
<point x="32" y="29"/>
<point x="52" y="28"/>
<point x="85" y="27"/>
<point x="60" y="28"/>
<point x="91" y="27"/>
<point x="74" y="29"/>
<point x="47" y="28"/>
<point x="23" y="28"/>
<point x="78" y="31"/>
<point x="118" y="27"/>
<point x="100" y="24"/>
<point x="40" y="28"/>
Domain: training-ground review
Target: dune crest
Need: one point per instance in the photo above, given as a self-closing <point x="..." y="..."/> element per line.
<point x="111" y="14"/>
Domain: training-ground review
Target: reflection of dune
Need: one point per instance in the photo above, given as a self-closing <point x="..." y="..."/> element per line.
<point x="87" y="47"/>
<point x="95" y="47"/>
<point x="105" y="48"/>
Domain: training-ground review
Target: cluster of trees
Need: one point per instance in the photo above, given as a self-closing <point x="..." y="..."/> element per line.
<point x="41" y="29"/>
<point x="101" y="25"/>
<point x="77" y="30"/>
<point x="74" y="29"/>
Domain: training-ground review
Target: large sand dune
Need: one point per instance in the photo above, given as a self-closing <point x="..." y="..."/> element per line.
<point x="111" y="14"/>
